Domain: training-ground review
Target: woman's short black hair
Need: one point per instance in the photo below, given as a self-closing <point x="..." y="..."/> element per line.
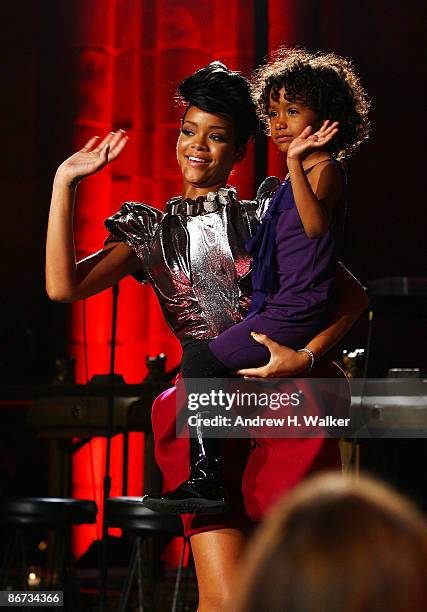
<point x="325" y="82"/>
<point x="216" y="89"/>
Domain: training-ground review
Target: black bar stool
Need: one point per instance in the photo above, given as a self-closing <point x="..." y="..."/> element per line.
<point x="19" y="515"/>
<point x="129" y="514"/>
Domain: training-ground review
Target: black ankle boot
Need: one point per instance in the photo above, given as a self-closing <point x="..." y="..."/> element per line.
<point x="204" y="491"/>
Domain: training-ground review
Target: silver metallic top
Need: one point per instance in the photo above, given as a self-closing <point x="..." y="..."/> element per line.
<point x="195" y="260"/>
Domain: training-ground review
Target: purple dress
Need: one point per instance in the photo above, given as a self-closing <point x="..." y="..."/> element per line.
<point x="304" y="301"/>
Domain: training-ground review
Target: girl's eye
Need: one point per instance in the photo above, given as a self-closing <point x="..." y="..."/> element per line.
<point x="218" y="137"/>
<point x="272" y="113"/>
<point x="186" y="132"/>
<point x="292" y="111"/>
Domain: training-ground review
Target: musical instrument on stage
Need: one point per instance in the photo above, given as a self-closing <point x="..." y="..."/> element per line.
<point x="80" y="410"/>
<point x="390" y="407"/>
<point x="66" y="412"/>
<point x="83" y="412"/>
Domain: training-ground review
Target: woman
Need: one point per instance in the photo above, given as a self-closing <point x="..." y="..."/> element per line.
<point x="194" y="257"/>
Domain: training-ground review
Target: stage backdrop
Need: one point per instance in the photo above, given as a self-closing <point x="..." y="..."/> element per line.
<point x="85" y="67"/>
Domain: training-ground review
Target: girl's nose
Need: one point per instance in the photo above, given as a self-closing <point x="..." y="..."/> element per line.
<point x="280" y="122"/>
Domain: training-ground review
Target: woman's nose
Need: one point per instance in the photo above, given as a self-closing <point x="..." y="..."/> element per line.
<point x="199" y="143"/>
<point x="200" y="146"/>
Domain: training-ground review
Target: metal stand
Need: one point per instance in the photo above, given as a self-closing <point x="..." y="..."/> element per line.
<point x="107" y="477"/>
<point x="135" y="565"/>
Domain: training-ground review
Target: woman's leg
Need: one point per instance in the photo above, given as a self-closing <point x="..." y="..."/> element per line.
<point x="216" y="557"/>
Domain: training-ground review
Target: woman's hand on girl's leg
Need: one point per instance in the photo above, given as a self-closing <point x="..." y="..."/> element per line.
<point x="284" y="361"/>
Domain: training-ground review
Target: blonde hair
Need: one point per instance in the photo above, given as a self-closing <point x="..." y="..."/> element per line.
<point x="337" y="544"/>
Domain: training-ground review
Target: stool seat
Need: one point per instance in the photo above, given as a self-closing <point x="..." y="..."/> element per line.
<point x="129" y="513"/>
<point x="47" y="511"/>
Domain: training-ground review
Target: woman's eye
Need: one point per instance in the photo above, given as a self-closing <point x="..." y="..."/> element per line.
<point x="272" y="113"/>
<point x="217" y="137"/>
<point x="186" y="132"/>
<point x="292" y="111"/>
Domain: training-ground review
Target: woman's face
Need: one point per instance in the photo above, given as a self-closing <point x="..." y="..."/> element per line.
<point x="206" y="151"/>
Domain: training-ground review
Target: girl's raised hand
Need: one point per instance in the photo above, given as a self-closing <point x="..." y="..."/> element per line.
<point x="306" y="142"/>
<point x="92" y="157"/>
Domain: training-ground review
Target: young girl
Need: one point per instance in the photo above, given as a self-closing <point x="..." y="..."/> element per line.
<point x="316" y="112"/>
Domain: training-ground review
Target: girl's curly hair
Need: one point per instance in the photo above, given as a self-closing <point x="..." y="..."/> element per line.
<point x="325" y="82"/>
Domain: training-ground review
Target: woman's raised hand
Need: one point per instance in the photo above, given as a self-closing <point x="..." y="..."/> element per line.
<point x="306" y="142"/>
<point x="92" y="157"/>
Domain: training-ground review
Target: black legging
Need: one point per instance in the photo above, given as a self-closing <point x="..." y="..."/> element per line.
<point x="199" y="362"/>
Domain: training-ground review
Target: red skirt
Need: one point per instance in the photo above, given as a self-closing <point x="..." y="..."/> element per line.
<point x="257" y="472"/>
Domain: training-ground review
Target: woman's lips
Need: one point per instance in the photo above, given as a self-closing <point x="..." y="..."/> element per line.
<point x="196" y="162"/>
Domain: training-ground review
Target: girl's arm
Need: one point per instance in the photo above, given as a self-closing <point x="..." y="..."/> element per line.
<point x="314" y="198"/>
<point x="67" y="280"/>
<point x="285" y="362"/>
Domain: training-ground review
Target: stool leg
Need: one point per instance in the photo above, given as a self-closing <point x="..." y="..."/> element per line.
<point x="22" y="559"/>
<point x="15" y="550"/>
<point x="60" y="573"/>
<point x="129" y="578"/>
<point x="70" y="582"/>
<point x="178" y="575"/>
<point x="186" y="579"/>
<point x="8" y="559"/>
<point x="152" y="551"/>
<point x="52" y="562"/>
<point x="139" y="577"/>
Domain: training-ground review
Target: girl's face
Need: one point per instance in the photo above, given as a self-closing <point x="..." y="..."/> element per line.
<point x="206" y="151"/>
<point x="289" y="119"/>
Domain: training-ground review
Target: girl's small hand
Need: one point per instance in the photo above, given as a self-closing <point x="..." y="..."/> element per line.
<point x="306" y="142"/>
<point x="284" y="361"/>
<point x="92" y="157"/>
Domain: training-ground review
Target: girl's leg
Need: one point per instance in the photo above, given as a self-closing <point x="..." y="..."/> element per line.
<point x="235" y="348"/>
<point x="216" y="557"/>
<point x="203" y="491"/>
<point x="197" y="493"/>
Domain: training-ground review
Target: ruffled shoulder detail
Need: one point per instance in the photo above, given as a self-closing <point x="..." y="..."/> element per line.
<point x="265" y="193"/>
<point x="268" y="185"/>
<point x="249" y="213"/>
<point x="135" y="224"/>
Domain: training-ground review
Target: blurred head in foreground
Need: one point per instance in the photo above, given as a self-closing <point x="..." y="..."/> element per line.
<point x="337" y="544"/>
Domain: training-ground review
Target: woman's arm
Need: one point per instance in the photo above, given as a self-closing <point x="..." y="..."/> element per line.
<point x="351" y="302"/>
<point x="67" y="280"/>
